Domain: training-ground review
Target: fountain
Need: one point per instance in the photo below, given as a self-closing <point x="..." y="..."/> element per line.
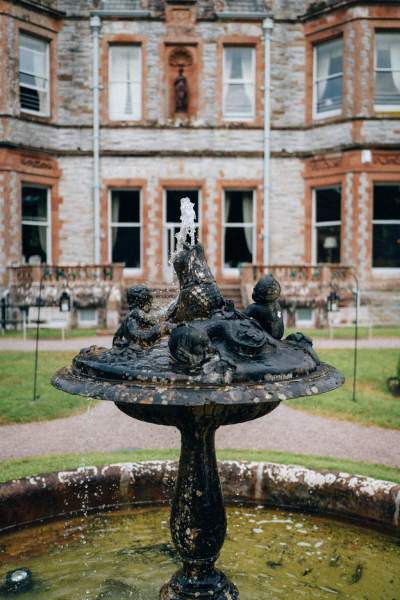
<point x="202" y="366"/>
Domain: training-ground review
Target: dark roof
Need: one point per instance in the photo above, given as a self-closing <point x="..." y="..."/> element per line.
<point x="244" y="6"/>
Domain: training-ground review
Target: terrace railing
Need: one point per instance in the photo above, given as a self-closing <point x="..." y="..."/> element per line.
<point x="26" y="275"/>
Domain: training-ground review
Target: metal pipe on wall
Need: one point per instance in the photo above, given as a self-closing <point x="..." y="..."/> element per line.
<point x="267" y="29"/>
<point x="95" y="25"/>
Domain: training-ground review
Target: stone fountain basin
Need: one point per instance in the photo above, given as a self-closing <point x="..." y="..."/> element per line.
<point x="25" y="502"/>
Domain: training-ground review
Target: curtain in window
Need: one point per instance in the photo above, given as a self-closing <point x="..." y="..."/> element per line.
<point x="247" y="204"/>
<point x="395" y="62"/>
<point x="43" y="239"/>
<point x="125" y="82"/>
<point x="114" y="218"/>
<point x="323" y="65"/>
<point x="239" y="81"/>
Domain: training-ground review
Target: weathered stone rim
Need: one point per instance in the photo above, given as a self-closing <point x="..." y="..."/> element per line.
<point x="324" y="379"/>
<point x="32" y="500"/>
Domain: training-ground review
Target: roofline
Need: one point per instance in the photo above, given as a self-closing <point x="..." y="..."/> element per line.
<point x="242" y="16"/>
<point x="53" y="12"/>
<point x="307" y="16"/>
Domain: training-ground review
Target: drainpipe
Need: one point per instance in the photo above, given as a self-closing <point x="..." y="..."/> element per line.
<point x="95" y="25"/>
<point x="267" y="29"/>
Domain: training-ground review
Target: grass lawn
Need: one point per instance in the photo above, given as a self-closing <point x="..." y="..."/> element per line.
<point x="347" y="333"/>
<point x="13" y="469"/>
<point x="374" y="405"/>
<point x="16" y="384"/>
<point x="50" y="334"/>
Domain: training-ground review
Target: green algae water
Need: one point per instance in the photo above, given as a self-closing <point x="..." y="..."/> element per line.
<point x="269" y="554"/>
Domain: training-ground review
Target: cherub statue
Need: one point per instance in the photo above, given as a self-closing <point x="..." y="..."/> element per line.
<point x="266" y="308"/>
<point x="138" y="328"/>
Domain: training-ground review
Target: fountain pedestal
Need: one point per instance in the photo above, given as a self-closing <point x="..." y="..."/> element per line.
<point x="198" y="520"/>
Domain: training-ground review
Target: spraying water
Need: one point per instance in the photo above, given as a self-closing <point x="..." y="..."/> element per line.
<point x="188" y="218"/>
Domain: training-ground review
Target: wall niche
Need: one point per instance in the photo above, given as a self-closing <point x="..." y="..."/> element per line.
<point x="182" y="81"/>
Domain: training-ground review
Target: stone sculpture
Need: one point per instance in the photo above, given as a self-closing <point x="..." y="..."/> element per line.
<point x="266" y="308"/>
<point x="181" y="92"/>
<point x="138" y="328"/>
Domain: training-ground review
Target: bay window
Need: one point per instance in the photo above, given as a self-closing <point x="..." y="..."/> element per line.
<point x="387" y="70"/>
<point x="35" y="223"/>
<point x="328" y="78"/>
<point x="125" y="228"/>
<point x="327" y="225"/>
<point x="239" y="83"/>
<point x="238" y="228"/>
<point x="386" y="226"/>
<point x="125" y="82"/>
<point x="34" y="75"/>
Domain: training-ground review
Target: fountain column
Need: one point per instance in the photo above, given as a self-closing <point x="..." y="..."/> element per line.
<point x="198" y="520"/>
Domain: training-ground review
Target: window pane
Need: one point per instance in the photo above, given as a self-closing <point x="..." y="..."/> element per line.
<point x="238" y="246"/>
<point x="239" y="81"/>
<point x="173" y="200"/>
<point x="34" y="241"/>
<point x="329" y="75"/>
<point x="239" y="99"/>
<point x="239" y="206"/>
<point x="329" y="58"/>
<point x="125" y="82"/>
<point x="125" y="206"/>
<point x="386" y="246"/>
<point x="33" y="74"/>
<point x="34" y="204"/>
<point x="386" y="92"/>
<point x="126" y="246"/>
<point x="327" y="204"/>
<point x="329" y="94"/>
<point x="387" y="202"/>
<point x="328" y="244"/>
<point x="386" y="49"/>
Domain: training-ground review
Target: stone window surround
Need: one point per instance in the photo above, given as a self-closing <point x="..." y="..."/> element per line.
<point x="377" y="27"/>
<point x="312" y="184"/>
<point x="380" y="178"/>
<point x="312" y="40"/>
<point x="240" y="40"/>
<point x="50" y="37"/>
<point x="124" y="40"/>
<point x="237" y="184"/>
<point x="26" y="179"/>
<point x="124" y="184"/>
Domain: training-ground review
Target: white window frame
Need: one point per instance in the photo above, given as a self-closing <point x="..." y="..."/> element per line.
<point x="383" y="107"/>
<point x="168" y="270"/>
<point x="87" y="323"/>
<point x="326" y="113"/>
<point x="124" y="116"/>
<point x="316" y="225"/>
<point x="228" y="272"/>
<point x="46" y="112"/>
<point x="305" y="322"/>
<point x="127" y="270"/>
<point x="36" y="223"/>
<point x="226" y="82"/>
<point x="383" y="270"/>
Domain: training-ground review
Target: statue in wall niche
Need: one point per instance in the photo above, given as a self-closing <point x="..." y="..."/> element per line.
<point x="266" y="309"/>
<point x="138" y="327"/>
<point x="181" y="92"/>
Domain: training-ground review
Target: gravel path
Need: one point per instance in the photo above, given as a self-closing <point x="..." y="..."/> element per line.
<point x="104" y="428"/>
<point x="75" y="344"/>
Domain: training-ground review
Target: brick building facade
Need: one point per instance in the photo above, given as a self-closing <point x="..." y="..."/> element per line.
<point x="281" y="120"/>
